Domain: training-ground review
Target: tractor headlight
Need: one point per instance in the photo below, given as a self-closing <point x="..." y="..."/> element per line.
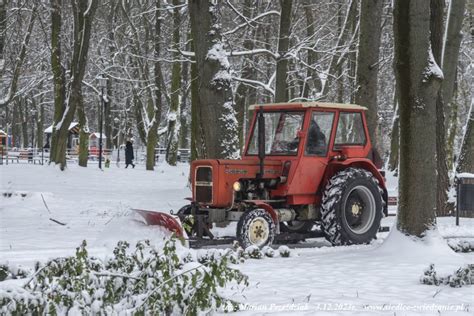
<point x="237" y="186"/>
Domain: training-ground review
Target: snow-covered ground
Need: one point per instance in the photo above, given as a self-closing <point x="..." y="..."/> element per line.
<point x="381" y="278"/>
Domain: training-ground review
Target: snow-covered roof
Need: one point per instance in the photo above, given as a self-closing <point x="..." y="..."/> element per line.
<point x="49" y="130"/>
<point x="2" y="132"/>
<point x="343" y="106"/>
<point x="97" y="135"/>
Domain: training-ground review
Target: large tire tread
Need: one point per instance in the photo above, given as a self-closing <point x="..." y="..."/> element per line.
<point x="331" y="201"/>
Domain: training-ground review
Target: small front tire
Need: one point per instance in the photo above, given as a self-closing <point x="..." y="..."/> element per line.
<point x="255" y="227"/>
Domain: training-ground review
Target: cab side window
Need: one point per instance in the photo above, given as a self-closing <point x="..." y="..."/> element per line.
<point x="319" y="133"/>
<point x="350" y="130"/>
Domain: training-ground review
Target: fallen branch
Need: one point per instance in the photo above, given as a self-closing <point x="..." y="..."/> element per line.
<point x="46" y="205"/>
<point x="57" y="222"/>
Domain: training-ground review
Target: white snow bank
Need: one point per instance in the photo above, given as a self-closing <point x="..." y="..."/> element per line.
<point x="465" y="175"/>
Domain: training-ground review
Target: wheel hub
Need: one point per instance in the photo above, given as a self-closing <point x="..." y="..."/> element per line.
<point x="258" y="231"/>
<point x="360" y="210"/>
<point x="356" y="209"/>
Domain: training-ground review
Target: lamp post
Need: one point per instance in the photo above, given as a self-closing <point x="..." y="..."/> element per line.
<point x="102" y="83"/>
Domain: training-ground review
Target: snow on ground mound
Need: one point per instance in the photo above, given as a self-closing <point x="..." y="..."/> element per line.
<point x="433" y="247"/>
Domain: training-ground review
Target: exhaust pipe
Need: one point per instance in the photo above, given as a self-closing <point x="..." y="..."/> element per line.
<point x="261" y="141"/>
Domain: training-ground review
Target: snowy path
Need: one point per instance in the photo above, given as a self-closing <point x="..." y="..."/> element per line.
<point x="95" y="205"/>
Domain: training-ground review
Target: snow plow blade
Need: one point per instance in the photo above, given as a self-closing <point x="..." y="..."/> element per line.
<point x="165" y="220"/>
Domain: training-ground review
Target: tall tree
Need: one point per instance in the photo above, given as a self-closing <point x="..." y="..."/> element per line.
<point x="19" y="61"/>
<point x="244" y="92"/>
<point x="83" y="14"/>
<point x="59" y="73"/>
<point x="174" y="111"/>
<point x="450" y="56"/>
<point x="418" y="80"/>
<point x="436" y="36"/>
<point x="337" y="58"/>
<point x="281" y="87"/>
<point x="466" y="156"/>
<point x="368" y="62"/>
<point x="215" y="94"/>
<point x="3" y="27"/>
<point x="152" y="139"/>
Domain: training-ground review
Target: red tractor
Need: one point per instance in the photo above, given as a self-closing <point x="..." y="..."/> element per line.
<point x="304" y="164"/>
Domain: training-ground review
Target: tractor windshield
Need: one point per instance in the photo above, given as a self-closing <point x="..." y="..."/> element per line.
<point x="281" y="130"/>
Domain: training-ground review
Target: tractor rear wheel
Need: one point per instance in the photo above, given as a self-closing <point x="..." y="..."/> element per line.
<point x="255" y="227"/>
<point x="352" y="207"/>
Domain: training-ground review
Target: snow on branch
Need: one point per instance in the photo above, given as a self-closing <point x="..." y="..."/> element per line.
<point x="432" y="69"/>
<point x="253" y="83"/>
<point x="249" y="21"/>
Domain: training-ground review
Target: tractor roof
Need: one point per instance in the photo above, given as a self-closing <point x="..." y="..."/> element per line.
<point x="314" y="104"/>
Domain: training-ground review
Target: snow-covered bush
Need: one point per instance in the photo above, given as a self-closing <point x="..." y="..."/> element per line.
<point x="254" y="252"/>
<point x="143" y="281"/>
<point x="429" y="276"/>
<point x="7" y="272"/>
<point x="462" y="276"/>
<point x="284" y="251"/>
<point x="268" y="251"/>
<point x="461" y="245"/>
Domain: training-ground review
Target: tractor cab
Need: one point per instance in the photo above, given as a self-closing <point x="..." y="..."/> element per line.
<point x="306" y="138"/>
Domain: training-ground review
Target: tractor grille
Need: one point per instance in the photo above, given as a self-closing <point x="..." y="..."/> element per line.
<point x="203" y="185"/>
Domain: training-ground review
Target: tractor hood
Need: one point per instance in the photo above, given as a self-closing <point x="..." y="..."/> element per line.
<point x="212" y="179"/>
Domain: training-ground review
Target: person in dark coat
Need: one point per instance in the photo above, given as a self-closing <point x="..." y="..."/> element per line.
<point x="129" y="154"/>
<point x="316" y="140"/>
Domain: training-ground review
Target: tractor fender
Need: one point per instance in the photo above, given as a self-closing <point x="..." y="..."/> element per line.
<point x="269" y="209"/>
<point x="337" y="165"/>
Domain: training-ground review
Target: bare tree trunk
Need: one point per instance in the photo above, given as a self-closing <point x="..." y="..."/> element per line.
<point x="197" y="137"/>
<point x="450" y="54"/>
<point x="466" y="156"/>
<point x="395" y="136"/>
<point x="40" y="126"/>
<point x="108" y="114"/>
<point x="58" y="74"/>
<point x="152" y="138"/>
<point x="436" y="36"/>
<point x="450" y="57"/>
<point x="247" y="72"/>
<point x="418" y="81"/>
<point x="185" y="104"/>
<point x="3" y="27"/>
<point x="453" y="127"/>
<point x="83" y="16"/>
<point x="174" y="111"/>
<point x="83" y="133"/>
<point x="281" y="86"/>
<point x="21" y="55"/>
<point x="23" y="116"/>
<point x="338" y="58"/>
<point x="368" y="61"/>
<point x="215" y="93"/>
<point x="312" y="55"/>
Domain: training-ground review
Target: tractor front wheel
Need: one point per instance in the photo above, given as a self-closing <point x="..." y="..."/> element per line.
<point x="255" y="227"/>
<point x="352" y="207"/>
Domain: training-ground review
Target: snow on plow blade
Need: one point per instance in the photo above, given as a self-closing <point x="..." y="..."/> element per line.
<point x="165" y="220"/>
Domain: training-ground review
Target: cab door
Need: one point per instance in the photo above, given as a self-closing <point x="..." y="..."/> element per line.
<point x="312" y="166"/>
